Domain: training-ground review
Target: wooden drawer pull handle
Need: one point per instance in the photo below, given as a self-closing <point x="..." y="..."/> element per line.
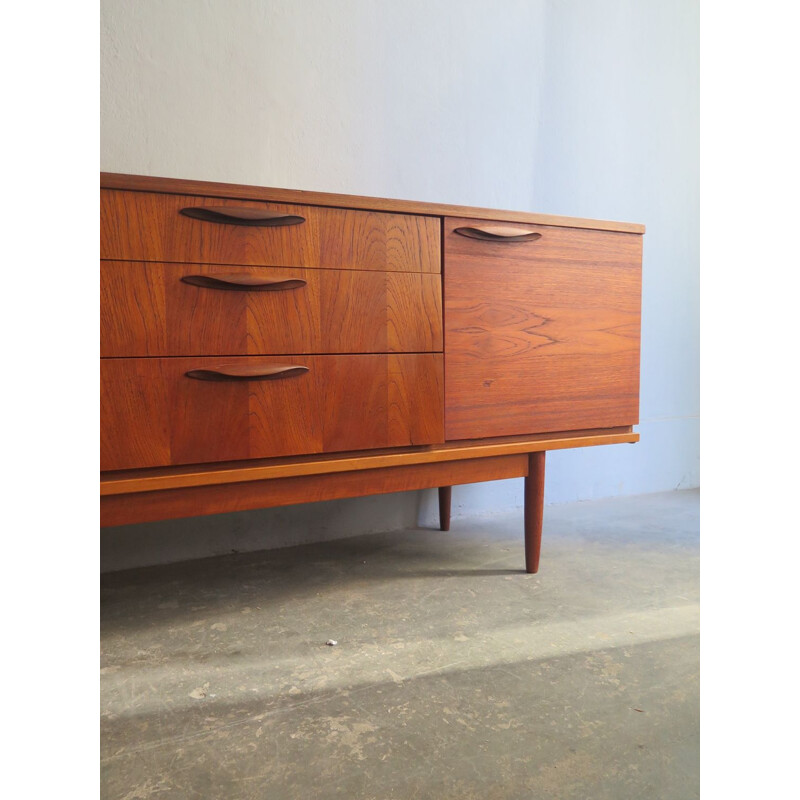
<point x="235" y="372"/>
<point x="230" y="215"/>
<point x="498" y="233"/>
<point x="243" y="283"/>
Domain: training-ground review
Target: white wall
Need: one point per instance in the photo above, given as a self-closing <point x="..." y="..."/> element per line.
<point x="577" y="107"/>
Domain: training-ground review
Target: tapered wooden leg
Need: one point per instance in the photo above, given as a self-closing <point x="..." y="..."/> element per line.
<point x="445" y="493"/>
<point x="534" y="509"/>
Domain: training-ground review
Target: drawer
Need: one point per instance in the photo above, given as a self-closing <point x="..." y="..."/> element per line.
<point x="158" y="309"/>
<point x="154" y="414"/>
<point x="145" y="226"/>
<point x="541" y="333"/>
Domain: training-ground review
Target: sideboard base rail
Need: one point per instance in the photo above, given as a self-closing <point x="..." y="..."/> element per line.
<point x="193" y="492"/>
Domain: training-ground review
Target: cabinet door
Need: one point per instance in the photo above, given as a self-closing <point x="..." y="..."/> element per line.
<point x="542" y="328"/>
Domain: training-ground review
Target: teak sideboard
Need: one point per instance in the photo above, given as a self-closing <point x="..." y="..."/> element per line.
<point x="262" y="347"/>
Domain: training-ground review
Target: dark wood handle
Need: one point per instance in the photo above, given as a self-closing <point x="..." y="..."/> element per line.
<point x="246" y="372"/>
<point x="498" y="233"/>
<point x="231" y="215"/>
<point x="243" y="283"/>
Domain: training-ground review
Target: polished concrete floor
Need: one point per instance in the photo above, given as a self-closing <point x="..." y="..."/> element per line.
<point x="455" y="674"/>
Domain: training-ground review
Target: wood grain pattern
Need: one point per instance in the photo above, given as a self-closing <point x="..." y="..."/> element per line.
<point x="197" y="501"/>
<point x="146" y="309"/>
<point x="543" y="335"/>
<point x="153" y="184"/>
<point x="143" y="226"/>
<point x="147" y="480"/>
<point x="153" y="415"/>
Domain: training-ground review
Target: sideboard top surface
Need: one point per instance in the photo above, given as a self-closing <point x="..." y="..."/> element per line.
<point x="143" y="183"/>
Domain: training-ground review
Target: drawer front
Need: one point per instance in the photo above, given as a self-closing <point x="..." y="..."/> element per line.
<point x="157" y="309"/>
<point x="144" y="226"/>
<point x="540" y="334"/>
<point x="153" y="414"/>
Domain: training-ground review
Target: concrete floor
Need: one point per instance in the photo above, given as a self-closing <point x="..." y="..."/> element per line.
<point x="456" y="675"/>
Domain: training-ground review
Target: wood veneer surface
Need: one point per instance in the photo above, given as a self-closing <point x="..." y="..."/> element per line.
<point x="153" y="414"/>
<point x="147" y="309"/>
<point x="541" y="335"/>
<point x="125" y="509"/>
<point x="212" y="189"/>
<point x="148" y="226"/>
<point x="144" y="480"/>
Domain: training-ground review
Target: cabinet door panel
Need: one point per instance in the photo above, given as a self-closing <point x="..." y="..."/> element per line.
<point x="540" y="335"/>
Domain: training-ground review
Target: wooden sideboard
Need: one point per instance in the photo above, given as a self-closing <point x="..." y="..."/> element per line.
<point x="263" y="347"/>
